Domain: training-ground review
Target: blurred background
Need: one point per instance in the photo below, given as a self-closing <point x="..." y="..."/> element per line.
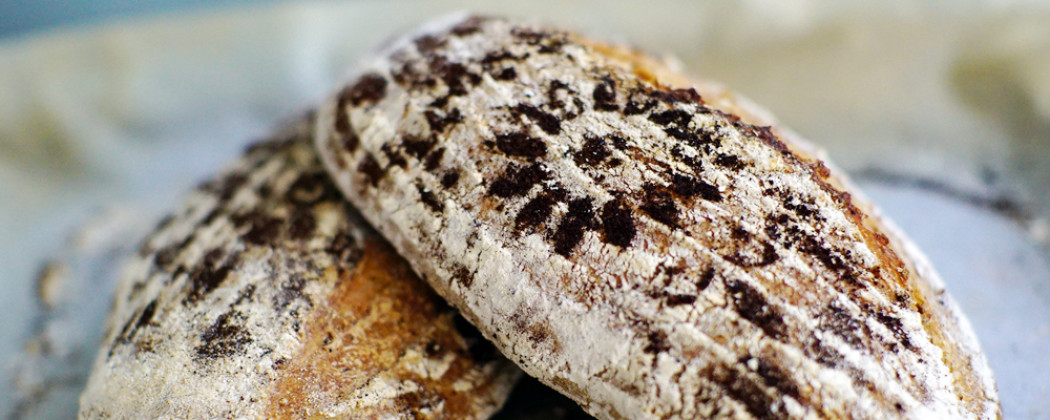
<point x="24" y="18"/>
<point x="110" y="110"/>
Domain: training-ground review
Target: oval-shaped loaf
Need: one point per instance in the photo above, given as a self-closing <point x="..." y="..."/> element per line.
<point x="265" y="296"/>
<point x="649" y="254"/>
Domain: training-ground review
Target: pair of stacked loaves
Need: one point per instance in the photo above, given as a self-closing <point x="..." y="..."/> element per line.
<point x="649" y="246"/>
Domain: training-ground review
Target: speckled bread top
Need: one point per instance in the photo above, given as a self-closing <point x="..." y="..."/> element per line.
<point x="266" y="296"/>
<point x="649" y="254"/>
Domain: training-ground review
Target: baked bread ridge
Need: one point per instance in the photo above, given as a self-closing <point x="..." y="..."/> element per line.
<point x="972" y="375"/>
<point x="266" y="296"/>
<point x="970" y="368"/>
<point x="964" y="356"/>
<point x="720" y="273"/>
<point x="969" y="365"/>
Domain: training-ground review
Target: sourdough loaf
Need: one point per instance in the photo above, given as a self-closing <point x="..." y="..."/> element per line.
<point x="645" y="251"/>
<point x="265" y="296"/>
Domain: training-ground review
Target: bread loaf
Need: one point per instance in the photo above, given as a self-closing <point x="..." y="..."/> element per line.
<point x="648" y="249"/>
<point x="266" y="296"/>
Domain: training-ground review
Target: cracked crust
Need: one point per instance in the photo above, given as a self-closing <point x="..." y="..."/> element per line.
<point x="266" y="296"/>
<point x="647" y="252"/>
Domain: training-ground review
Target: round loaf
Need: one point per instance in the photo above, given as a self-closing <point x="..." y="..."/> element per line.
<point x="646" y="252"/>
<point x="266" y="296"/>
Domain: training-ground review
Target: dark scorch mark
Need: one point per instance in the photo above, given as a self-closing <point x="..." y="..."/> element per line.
<point x="429" y="199"/>
<point x="657" y="343"/>
<point x="730" y="162"/>
<point x="605" y="95"/>
<point x="838" y="321"/>
<point x="433" y="160"/>
<point x="263" y="229"/>
<point x="547" y="42"/>
<point x="595" y="151"/>
<point x="896" y="327"/>
<point x="146" y="316"/>
<point x="225" y="188"/>
<point x="617" y="223"/>
<point x="438" y="122"/>
<point x="752" y="306"/>
<point x="635" y="107"/>
<point x="453" y="74"/>
<point x="370" y="168"/>
<point x="673" y="96"/>
<point x="393" y="155"/>
<point x="369" y="88"/>
<point x="687" y="186"/>
<point x="535" y="212"/>
<point x="501" y="55"/>
<point x="449" y="179"/>
<point x="208" y="275"/>
<point x="680" y="299"/>
<point x="659" y="204"/>
<point x="579" y="218"/>
<point x="343" y="129"/>
<point x="746" y="390"/>
<point x="618" y="142"/>
<point x="165" y="256"/>
<point x="768" y="256"/>
<point x="427" y="44"/>
<point x="520" y="144"/>
<point x="804" y="207"/>
<point x="132" y="326"/>
<point x="463" y="276"/>
<point x="550" y="124"/>
<point x="224" y="337"/>
<point x="517" y="180"/>
<point x="705" y="279"/>
<point x="774" y="376"/>
<point x="674" y="117"/>
<point x="508" y="73"/>
<point x="290" y="291"/>
<point x="417" y="146"/>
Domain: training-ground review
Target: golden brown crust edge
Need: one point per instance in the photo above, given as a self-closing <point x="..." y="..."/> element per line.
<point x="972" y="375"/>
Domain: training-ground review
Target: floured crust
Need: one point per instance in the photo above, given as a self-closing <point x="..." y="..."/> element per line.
<point x="647" y="253"/>
<point x="266" y="296"/>
<point x="944" y="321"/>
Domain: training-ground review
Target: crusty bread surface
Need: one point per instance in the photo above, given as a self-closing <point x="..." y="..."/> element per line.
<point x="266" y="296"/>
<point x="648" y="246"/>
